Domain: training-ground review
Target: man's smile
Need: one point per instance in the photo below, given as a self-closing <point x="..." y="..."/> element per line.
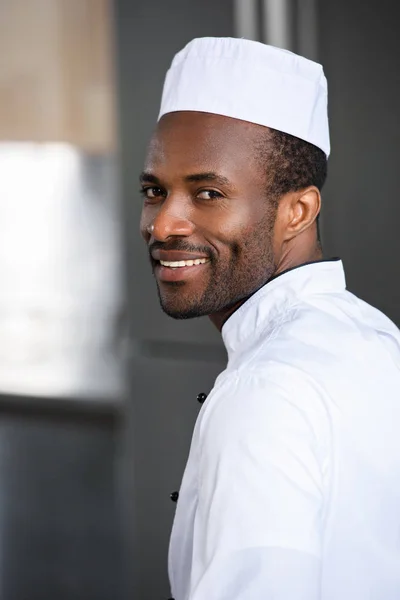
<point x="179" y="270"/>
<point x="183" y="263"/>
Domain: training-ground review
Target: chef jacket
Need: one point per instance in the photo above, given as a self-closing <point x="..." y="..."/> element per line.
<point x="292" y="485"/>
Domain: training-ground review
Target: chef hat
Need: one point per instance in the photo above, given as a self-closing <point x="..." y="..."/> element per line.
<point x="253" y="82"/>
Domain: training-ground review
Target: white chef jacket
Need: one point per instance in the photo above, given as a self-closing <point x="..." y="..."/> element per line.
<point x="292" y="486"/>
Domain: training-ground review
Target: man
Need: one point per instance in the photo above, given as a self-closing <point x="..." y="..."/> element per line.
<point x="292" y="486"/>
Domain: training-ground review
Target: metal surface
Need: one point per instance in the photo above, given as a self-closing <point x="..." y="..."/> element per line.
<point x="277" y="23"/>
<point x="61" y="298"/>
<point x="246" y="21"/>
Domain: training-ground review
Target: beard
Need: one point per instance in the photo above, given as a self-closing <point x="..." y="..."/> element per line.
<point x="230" y="279"/>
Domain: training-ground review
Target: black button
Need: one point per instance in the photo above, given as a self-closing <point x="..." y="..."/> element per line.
<point x="201" y="397"/>
<point x="174" y="496"/>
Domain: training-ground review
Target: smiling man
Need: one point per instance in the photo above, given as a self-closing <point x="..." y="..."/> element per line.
<point x="292" y="486"/>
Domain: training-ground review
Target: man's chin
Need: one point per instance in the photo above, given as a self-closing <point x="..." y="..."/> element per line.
<point x="176" y="308"/>
<point x="177" y="304"/>
<point x="181" y="312"/>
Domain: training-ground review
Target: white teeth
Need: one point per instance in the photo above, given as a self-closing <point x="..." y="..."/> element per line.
<point x="183" y="263"/>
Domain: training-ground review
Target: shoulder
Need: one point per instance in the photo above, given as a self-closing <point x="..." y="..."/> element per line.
<point x="323" y="338"/>
<point x="264" y="401"/>
<point x="282" y="379"/>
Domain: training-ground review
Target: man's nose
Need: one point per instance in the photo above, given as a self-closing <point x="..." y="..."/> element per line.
<point x="171" y="221"/>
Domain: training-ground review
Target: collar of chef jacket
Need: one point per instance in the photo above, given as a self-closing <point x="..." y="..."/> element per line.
<point x="271" y="302"/>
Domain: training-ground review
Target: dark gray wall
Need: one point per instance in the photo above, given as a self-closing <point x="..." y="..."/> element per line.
<point x="172" y="361"/>
<point x="149" y="33"/>
<point x="360" y="50"/>
<point x="59" y="514"/>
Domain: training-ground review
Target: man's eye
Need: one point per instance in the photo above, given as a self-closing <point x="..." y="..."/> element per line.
<point x="209" y="195"/>
<point x="151" y="192"/>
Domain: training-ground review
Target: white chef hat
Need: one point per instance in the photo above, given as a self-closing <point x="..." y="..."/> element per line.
<point x="252" y="82"/>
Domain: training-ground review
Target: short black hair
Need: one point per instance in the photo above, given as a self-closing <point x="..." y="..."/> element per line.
<point x="290" y="163"/>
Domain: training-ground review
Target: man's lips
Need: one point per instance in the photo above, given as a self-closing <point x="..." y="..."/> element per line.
<point x="176" y="255"/>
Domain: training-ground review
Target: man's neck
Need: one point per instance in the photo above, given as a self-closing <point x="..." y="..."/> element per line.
<point x="286" y="264"/>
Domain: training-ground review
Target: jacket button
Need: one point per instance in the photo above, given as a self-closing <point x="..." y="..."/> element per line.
<point x="201" y="397"/>
<point x="174" y="496"/>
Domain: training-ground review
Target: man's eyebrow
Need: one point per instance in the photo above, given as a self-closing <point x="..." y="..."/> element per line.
<point x="149" y="178"/>
<point x="208" y="176"/>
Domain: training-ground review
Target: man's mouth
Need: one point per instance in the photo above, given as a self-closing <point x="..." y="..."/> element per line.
<point x="180" y="270"/>
<point x="176" y="264"/>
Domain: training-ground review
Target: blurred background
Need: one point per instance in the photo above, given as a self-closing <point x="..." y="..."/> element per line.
<point x="97" y="387"/>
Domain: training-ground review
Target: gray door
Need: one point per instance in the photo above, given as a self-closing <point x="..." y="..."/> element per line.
<point x="172" y="361"/>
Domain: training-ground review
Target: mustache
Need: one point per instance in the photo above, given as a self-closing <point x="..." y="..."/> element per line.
<point x="181" y="246"/>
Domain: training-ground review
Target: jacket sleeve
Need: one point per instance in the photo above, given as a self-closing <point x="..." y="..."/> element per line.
<point x="263" y="471"/>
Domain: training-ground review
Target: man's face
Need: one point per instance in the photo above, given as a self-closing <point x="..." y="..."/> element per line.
<point x="206" y="218"/>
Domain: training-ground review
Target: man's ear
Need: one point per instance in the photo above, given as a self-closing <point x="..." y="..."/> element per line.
<point x="300" y="210"/>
